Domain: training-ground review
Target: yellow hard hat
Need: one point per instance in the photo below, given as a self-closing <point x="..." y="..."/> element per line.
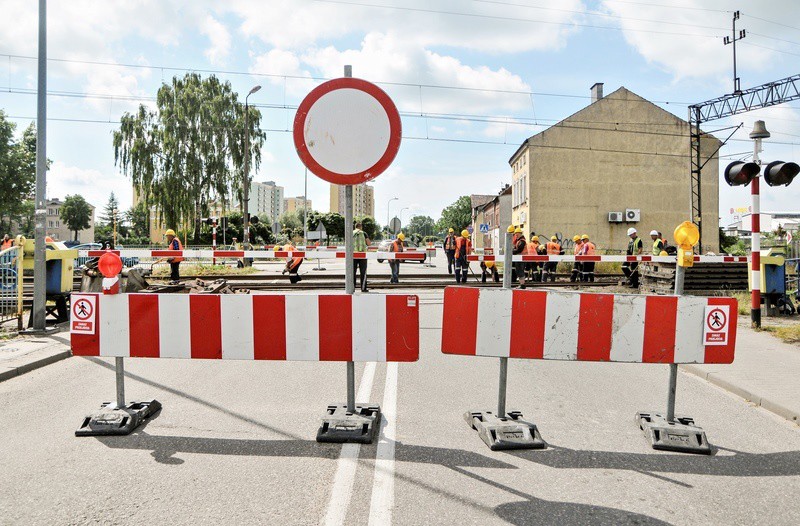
<point x="510" y="229"/>
<point x="518" y="230"/>
<point x="465" y="233"/>
<point x="450" y="230"/>
<point x="169" y="232"/>
<point x="576" y="238"/>
<point x="585" y="237"/>
<point x="489" y="264"/>
<point x="401" y="236"/>
<point x="553" y="238"/>
<point x="663" y="253"/>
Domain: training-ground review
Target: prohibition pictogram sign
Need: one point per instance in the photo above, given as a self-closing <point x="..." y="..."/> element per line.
<point x="82" y="309"/>
<point x="717" y="320"/>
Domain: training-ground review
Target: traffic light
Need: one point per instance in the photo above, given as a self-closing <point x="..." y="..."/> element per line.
<point x="739" y="173"/>
<point x="780" y="173"/>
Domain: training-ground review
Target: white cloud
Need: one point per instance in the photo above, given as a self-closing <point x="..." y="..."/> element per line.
<point x="93" y="185"/>
<point x="219" y="38"/>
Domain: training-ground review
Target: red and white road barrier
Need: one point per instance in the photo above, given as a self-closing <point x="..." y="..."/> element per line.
<point x="578" y="326"/>
<point x="616" y="259"/>
<point x="328" y="327"/>
<point x="254" y="254"/>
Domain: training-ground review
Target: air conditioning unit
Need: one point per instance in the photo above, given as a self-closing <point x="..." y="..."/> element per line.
<point x="633" y="215"/>
<point x="615" y="217"/>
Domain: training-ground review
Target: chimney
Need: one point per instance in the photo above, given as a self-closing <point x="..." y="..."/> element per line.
<point x="597" y="91"/>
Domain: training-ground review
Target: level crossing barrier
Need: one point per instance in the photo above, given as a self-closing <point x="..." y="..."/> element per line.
<point x="575" y="326"/>
<point x="607" y="258"/>
<point x="293" y="327"/>
<point x="255" y="254"/>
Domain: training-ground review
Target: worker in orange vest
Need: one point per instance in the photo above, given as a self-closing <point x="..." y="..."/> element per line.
<point x="463" y="248"/>
<point x="396" y="246"/>
<point x="553" y="248"/>
<point x="576" y="267"/>
<point x="588" y="249"/>
<point x="7" y="242"/>
<point x="292" y="264"/>
<point x="534" y="249"/>
<point x="173" y="243"/>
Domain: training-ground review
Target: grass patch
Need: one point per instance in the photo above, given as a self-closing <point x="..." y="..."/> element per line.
<point x="788" y="333"/>
<point x="744" y="302"/>
<point x="204" y="270"/>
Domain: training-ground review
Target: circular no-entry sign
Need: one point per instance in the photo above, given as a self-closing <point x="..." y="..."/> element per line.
<point x="347" y="131"/>
<point x="716" y="320"/>
<point x="82" y="309"/>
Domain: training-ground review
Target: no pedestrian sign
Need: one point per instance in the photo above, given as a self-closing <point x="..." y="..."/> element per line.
<point x="347" y="131"/>
<point x="715" y="329"/>
<point x="84" y="314"/>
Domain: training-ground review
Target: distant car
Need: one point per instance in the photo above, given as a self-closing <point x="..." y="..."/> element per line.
<point x="81" y="260"/>
<point x="386" y="245"/>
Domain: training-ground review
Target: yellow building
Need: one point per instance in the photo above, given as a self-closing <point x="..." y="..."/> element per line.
<point x="620" y="162"/>
<point x="290" y="204"/>
<point x="363" y="200"/>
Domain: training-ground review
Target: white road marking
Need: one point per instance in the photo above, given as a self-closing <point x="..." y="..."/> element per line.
<point x="380" y="508"/>
<point x="348" y="461"/>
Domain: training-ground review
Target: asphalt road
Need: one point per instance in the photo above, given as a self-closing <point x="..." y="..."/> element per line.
<point x="234" y="444"/>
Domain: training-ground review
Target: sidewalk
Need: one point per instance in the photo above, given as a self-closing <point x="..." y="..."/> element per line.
<point x="765" y="371"/>
<point x="23" y="355"/>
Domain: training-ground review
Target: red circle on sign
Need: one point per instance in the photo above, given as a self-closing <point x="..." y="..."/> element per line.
<point x="362" y="176"/>
<point x="718" y="323"/>
<point x="82" y="309"/>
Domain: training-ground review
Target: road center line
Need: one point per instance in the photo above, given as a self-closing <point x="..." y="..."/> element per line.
<point x="348" y="461"/>
<point x="380" y="509"/>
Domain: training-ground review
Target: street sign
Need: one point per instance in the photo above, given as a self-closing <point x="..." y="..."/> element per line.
<point x="84" y="314"/>
<point x="484" y="228"/>
<point x="715" y="330"/>
<point x="394" y="225"/>
<point x="319" y="233"/>
<point x="347" y="131"/>
<point x="470" y="229"/>
<point x="276" y="228"/>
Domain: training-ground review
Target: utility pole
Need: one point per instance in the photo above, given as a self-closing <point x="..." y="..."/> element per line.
<point x="732" y="40"/>
<point x="246" y="189"/>
<point x="39" y="263"/>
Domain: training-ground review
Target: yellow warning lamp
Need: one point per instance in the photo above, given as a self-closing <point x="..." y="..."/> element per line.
<point x="686" y="236"/>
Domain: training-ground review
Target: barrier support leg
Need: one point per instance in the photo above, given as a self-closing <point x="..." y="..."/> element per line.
<point x="118" y="418"/>
<point x="349" y="422"/>
<point x="669" y="432"/>
<point x="505" y="429"/>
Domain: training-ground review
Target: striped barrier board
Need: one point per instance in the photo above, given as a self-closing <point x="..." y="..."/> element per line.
<point x="616" y="259"/>
<point x="549" y="325"/>
<point x="327" y="327"/>
<point x="255" y="254"/>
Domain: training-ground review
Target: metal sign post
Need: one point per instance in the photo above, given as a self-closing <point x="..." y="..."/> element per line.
<point x="347" y="131"/>
<point x="668" y="432"/>
<point x="505" y="429"/>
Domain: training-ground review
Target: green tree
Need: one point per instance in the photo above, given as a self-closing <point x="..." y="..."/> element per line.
<point x="17" y="171"/>
<point x="138" y="217"/>
<point x="422" y="225"/>
<point x="76" y="213"/>
<point x="457" y="216"/>
<point x="371" y="228"/>
<point x="190" y="152"/>
<point x="111" y="224"/>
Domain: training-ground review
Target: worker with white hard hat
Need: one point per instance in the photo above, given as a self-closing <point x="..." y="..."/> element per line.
<point x="631" y="269"/>
<point x="658" y="243"/>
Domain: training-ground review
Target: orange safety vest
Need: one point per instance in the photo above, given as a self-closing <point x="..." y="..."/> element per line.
<point x="397" y="246"/>
<point x="464" y="244"/>
<point x="533" y="246"/>
<point x="553" y="248"/>
<point x="180" y="247"/>
<point x="578" y="248"/>
<point x="7" y="244"/>
<point x="588" y="249"/>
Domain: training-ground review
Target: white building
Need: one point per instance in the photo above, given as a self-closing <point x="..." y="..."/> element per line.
<point x="265" y="201"/>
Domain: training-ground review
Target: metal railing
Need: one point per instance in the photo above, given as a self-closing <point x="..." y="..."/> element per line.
<point x="11" y="285"/>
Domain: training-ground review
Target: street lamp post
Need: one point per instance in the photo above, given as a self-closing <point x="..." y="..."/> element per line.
<point x="246" y="189"/>
<point x="387" y="212"/>
<point x="401" y="216"/>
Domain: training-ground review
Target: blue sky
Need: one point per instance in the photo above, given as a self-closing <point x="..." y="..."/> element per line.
<point x="499" y="68"/>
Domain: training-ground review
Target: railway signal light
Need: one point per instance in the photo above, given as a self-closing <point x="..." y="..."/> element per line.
<point x="780" y="173"/>
<point x="740" y="173"/>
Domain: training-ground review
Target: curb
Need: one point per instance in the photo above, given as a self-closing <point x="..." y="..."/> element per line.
<point x="36" y="362"/>
<point x="711" y="377"/>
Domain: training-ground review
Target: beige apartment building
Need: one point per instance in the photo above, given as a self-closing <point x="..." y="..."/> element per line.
<point x="363" y="200"/>
<point x="620" y="162"/>
<point x="290" y="204"/>
<point x="59" y="231"/>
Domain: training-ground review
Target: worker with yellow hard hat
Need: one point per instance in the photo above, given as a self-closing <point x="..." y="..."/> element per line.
<point x="588" y="249"/>
<point x="292" y="264"/>
<point x="576" y="266"/>
<point x="463" y="248"/>
<point x="519" y="248"/>
<point x="398" y="245"/>
<point x="553" y="248"/>
<point x="450" y="249"/>
<point x="173" y="243"/>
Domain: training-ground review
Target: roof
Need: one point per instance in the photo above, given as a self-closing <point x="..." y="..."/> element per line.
<point x="621" y="92"/>
<point x="479" y="200"/>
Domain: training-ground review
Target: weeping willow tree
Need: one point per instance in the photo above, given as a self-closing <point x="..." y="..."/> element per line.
<point x="189" y="152"/>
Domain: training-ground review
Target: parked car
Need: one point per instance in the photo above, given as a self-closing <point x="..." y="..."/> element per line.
<point x="386" y="245"/>
<point x="81" y="260"/>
